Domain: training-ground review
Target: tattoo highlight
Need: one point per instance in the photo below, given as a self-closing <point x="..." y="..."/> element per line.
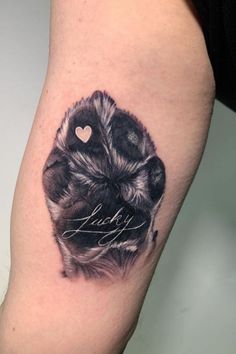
<point x="103" y="183"/>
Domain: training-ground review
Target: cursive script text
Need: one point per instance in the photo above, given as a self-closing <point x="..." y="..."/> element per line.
<point x="119" y="224"/>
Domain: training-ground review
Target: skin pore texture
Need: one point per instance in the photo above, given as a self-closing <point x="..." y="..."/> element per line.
<point x="146" y="64"/>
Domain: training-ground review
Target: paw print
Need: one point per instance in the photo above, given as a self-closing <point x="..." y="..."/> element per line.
<point x="103" y="183"/>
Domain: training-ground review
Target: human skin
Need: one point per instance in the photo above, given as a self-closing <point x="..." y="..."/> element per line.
<point x="151" y="58"/>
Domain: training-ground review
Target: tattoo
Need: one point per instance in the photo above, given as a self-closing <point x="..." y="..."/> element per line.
<point x="103" y="183"/>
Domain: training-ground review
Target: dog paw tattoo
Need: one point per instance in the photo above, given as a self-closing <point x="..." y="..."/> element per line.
<point x="103" y="183"/>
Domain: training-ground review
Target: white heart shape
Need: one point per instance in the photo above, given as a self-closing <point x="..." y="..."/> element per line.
<point x="84" y="134"/>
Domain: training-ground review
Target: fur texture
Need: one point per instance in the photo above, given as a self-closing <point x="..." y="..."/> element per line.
<point x="103" y="183"/>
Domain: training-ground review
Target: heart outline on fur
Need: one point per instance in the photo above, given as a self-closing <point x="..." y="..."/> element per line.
<point x="84" y="134"/>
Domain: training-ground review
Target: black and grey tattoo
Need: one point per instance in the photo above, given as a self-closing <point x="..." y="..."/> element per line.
<point x="103" y="183"/>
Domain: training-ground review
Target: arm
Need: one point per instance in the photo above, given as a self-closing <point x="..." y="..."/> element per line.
<point x="152" y="62"/>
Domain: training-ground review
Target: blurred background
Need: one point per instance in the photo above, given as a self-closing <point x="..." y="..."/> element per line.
<point x="191" y="305"/>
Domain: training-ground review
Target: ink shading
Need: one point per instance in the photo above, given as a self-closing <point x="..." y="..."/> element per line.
<point x="103" y="183"/>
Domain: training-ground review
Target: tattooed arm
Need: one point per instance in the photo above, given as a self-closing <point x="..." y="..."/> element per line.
<point x="116" y="141"/>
